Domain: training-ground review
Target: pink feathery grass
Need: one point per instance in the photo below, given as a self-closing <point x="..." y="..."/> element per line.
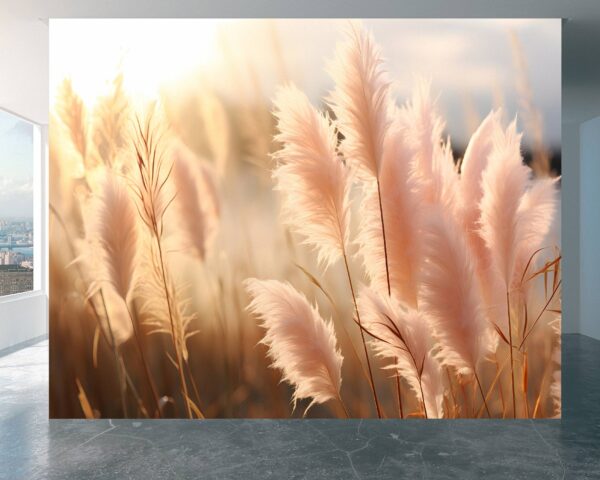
<point x="504" y="180"/>
<point x="449" y="295"/>
<point x="535" y="217"/>
<point x="311" y="176"/>
<point x="301" y="344"/>
<point x="111" y="257"/>
<point x="401" y="335"/>
<point x="471" y="189"/>
<point x="112" y="233"/>
<point x="196" y="201"/>
<point x="434" y="389"/>
<point x="432" y="164"/>
<point x="360" y="100"/>
<point x="401" y="206"/>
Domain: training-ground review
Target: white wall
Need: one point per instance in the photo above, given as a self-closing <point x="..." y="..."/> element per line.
<point x="570" y="196"/>
<point x="590" y="228"/>
<point x="24" y="91"/>
<point x="24" y="67"/>
<point x="22" y="317"/>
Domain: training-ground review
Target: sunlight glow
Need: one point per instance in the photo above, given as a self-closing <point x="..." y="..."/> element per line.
<point x="150" y="53"/>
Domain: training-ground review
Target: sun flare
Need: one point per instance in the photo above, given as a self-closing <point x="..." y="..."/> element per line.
<point x="150" y="54"/>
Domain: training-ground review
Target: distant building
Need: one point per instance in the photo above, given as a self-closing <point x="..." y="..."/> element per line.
<point x="27" y="264"/>
<point x="15" y="279"/>
<point x="9" y="257"/>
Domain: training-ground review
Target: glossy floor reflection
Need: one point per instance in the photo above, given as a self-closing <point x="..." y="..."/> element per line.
<point x="33" y="447"/>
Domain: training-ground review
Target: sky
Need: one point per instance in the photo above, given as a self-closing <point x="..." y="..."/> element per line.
<point x="471" y="63"/>
<point x="16" y="166"/>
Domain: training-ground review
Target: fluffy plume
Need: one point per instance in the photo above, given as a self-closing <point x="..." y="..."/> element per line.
<point x="196" y="200"/>
<point x="217" y="128"/>
<point x="471" y="189"/>
<point x="163" y="309"/>
<point x="118" y="320"/>
<point x="504" y="181"/>
<point x="433" y="387"/>
<point x="535" y="216"/>
<point x="311" y="176"/>
<point x="110" y="122"/>
<point x="73" y="116"/>
<point x="111" y="255"/>
<point x="301" y="344"/>
<point x="112" y="233"/>
<point x="449" y="295"/>
<point x="360" y="100"/>
<point x="473" y="165"/>
<point x="433" y="164"/>
<point x="400" y="335"/>
<point x="400" y="206"/>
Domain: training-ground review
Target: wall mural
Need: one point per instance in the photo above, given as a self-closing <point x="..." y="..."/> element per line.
<point x="305" y="218"/>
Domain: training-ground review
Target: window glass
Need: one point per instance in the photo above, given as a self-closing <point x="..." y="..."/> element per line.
<point x="16" y="204"/>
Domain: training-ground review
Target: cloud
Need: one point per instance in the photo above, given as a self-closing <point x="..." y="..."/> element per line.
<point x="11" y="186"/>
<point x="16" y="197"/>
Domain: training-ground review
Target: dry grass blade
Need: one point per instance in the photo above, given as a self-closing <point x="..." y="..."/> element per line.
<point x="316" y="283"/>
<point x="150" y="185"/>
<point x="95" y="346"/>
<point x="544" y="309"/>
<point x="84" y="402"/>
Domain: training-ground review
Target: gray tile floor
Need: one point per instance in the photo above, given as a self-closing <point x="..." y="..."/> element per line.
<point x="32" y="447"/>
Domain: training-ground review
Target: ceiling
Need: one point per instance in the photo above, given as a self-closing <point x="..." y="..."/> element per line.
<point x="24" y="35"/>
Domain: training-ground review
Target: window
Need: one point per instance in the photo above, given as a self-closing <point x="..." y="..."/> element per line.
<point x="19" y="144"/>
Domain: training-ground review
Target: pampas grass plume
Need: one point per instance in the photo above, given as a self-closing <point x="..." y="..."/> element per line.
<point x="400" y="334"/>
<point x="450" y="297"/>
<point x="360" y="100"/>
<point x="311" y="176"/>
<point x="196" y="200"/>
<point x="400" y="205"/>
<point x="301" y="344"/>
<point x="504" y="180"/>
<point x="112" y="234"/>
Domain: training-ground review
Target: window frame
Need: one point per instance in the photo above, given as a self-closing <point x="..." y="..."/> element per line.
<point x="40" y="209"/>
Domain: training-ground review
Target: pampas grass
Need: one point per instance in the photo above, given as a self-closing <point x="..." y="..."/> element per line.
<point x="360" y="100"/>
<point x="311" y="176"/>
<point x="471" y="170"/>
<point x="504" y="180"/>
<point x="300" y="342"/>
<point x="109" y="123"/>
<point x="73" y="116"/>
<point x="535" y="216"/>
<point x="400" y="335"/>
<point x="401" y="216"/>
<point x="432" y="166"/>
<point x="403" y="280"/>
<point x="112" y="235"/>
<point x="196" y="200"/>
<point x="450" y="297"/>
<point x="315" y="186"/>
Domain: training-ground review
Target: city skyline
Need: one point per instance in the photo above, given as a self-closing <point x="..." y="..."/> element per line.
<point x="16" y="255"/>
